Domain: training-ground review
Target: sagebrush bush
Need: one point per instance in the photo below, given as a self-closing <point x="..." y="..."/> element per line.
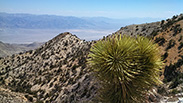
<point x="127" y="67"/>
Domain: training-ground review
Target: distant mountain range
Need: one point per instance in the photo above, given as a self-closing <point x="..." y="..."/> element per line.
<point x="28" y="28"/>
<point x="30" y="21"/>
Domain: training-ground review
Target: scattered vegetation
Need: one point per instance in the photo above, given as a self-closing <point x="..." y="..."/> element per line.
<point x="170" y="22"/>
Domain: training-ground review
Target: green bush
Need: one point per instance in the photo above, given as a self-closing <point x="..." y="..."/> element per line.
<point x="127" y="67"/>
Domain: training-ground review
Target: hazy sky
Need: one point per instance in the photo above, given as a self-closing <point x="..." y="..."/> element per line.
<point x="93" y="8"/>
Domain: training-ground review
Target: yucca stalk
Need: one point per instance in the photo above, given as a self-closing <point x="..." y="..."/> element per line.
<point x="126" y="66"/>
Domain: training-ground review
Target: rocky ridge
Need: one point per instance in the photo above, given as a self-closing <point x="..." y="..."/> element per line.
<point x="55" y="72"/>
<point x="149" y="29"/>
<point x="142" y="29"/>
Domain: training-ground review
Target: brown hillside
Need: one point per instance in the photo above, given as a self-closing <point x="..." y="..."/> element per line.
<point x="173" y="38"/>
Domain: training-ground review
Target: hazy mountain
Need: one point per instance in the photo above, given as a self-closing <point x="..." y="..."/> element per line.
<point x="28" y="28"/>
<point x="124" y="21"/>
<point x="30" y="21"/>
<point x="9" y="49"/>
<point x="58" y="72"/>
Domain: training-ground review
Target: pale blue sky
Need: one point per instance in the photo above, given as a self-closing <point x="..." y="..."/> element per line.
<point x="95" y="8"/>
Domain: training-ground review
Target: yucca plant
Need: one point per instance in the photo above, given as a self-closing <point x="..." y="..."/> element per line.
<point x="126" y="66"/>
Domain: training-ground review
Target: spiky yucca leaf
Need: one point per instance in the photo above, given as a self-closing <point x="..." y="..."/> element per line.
<point x="127" y="67"/>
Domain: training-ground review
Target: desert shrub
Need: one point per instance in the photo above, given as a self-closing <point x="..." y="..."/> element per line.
<point x="172" y="74"/>
<point x="29" y="98"/>
<point x="160" y="40"/>
<point x="143" y="29"/>
<point x="174" y="17"/>
<point x="168" y="24"/>
<point x="177" y="29"/>
<point x="51" y="84"/>
<point x="179" y="63"/>
<point x="126" y="67"/>
<point x="154" y="33"/>
<point x="64" y="61"/>
<point x="30" y="51"/>
<point x="71" y="98"/>
<point x="181" y="18"/>
<point x="170" y="44"/>
<point x="176" y="81"/>
<point x="180" y="46"/>
<point x="162" y="22"/>
<point x="66" y="43"/>
<point x="180" y="38"/>
<point x="165" y="55"/>
<point x="2" y="81"/>
<point x="162" y="91"/>
<point x="19" y="89"/>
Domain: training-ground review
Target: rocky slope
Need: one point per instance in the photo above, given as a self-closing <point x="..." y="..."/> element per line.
<point x="149" y="29"/>
<point x="57" y="71"/>
<point x="170" y="42"/>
